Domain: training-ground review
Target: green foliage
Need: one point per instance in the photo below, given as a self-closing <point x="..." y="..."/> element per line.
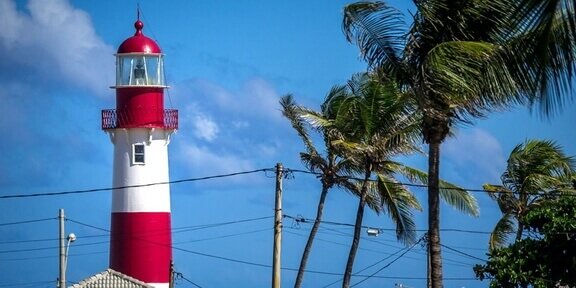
<point x="546" y="258"/>
<point x="537" y="170"/>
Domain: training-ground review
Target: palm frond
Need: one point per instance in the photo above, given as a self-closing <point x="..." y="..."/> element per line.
<point x="500" y="235"/>
<point x="472" y="77"/>
<point x="291" y="112"/>
<point x="378" y="30"/>
<point x="399" y="203"/>
<point x="549" y="28"/>
<point x="459" y="198"/>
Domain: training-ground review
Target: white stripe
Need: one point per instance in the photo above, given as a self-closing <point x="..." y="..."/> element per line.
<point x="155" y="198"/>
<point x="159" y="285"/>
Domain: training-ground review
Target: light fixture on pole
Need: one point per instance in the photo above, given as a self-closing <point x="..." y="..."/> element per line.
<point x="64" y="246"/>
<point x="71" y="238"/>
<point x="374" y="232"/>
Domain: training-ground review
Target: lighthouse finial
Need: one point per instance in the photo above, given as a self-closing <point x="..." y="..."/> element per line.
<point x="138" y="24"/>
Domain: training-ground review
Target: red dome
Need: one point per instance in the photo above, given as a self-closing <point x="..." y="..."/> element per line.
<point x="139" y="43"/>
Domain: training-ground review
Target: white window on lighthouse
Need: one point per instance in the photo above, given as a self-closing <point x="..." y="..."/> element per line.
<point x="138" y="154"/>
<point x="139" y="70"/>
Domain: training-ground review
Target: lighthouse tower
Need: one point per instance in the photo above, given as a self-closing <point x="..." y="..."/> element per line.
<point x="140" y="129"/>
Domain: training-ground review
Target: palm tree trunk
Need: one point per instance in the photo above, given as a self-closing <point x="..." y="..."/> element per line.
<point x="434" y="215"/>
<point x="519" y="232"/>
<point x="313" y="232"/>
<point x="357" y="231"/>
<point x="355" y="242"/>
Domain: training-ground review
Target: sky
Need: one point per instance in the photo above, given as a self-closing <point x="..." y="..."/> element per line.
<point x="227" y="64"/>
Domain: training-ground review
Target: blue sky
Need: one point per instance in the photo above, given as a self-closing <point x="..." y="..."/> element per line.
<point x="228" y="63"/>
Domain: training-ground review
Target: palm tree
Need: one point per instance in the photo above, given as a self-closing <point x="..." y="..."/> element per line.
<point x="369" y="123"/>
<point x="332" y="169"/>
<point x="337" y="170"/>
<point x="550" y="34"/>
<point x="537" y="171"/>
<point x="371" y="126"/>
<point x="459" y="60"/>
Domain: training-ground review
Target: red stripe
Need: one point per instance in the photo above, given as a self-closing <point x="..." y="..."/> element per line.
<point x="140" y="245"/>
<point x="140" y="107"/>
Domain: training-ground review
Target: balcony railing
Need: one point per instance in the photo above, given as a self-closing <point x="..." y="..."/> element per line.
<point x="157" y="118"/>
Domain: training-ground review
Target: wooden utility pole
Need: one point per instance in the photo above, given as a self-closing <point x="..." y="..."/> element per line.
<point x="277" y="229"/>
<point x="172" y="272"/>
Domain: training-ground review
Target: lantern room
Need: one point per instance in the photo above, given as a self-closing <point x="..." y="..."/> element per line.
<point x="135" y="69"/>
<point x="139" y="61"/>
<point x="139" y="86"/>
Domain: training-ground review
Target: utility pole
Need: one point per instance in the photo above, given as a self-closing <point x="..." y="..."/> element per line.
<point x="62" y="278"/>
<point x="172" y="272"/>
<point x="277" y="229"/>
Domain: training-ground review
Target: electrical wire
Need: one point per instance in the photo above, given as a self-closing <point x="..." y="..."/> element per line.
<point x="224" y="236"/>
<point x="26" y="222"/>
<point x="185" y="228"/>
<point x="390" y="263"/>
<point x="108" y="231"/>
<point x="133" y="186"/>
<point x="369" y="266"/>
<point x="306" y="220"/>
<point x="448" y="260"/>
<point x="180" y="276"/>
<point x="26" y="284"/>
<point x="463" y="253"/>
<point x="426" y="185"/>
<point x="52" y="256"/>
<point x="287" y="171"/>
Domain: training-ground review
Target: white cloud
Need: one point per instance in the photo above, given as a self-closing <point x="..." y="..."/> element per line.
<point x="476" y="152"/>
<point x="208" y="161"/>
<point x="259" y="95"/>
<point x="200" y="122"/>
<point x="57" y="41"/>
<point x="205" y="128"/>
<point x="225" y="130"/>
<point x="255" y="98"/>
<point x="240" y="124"/>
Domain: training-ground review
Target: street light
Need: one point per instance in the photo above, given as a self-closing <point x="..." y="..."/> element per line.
<point x="64" y="246"/>
<point x="374" y="232"/>
<point x="71" y="238"/>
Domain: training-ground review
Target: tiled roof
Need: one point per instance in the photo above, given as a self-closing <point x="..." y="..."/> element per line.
<point x="110" y="279"/>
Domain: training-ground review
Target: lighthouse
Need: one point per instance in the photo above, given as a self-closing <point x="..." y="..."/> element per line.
<point x="140" y="130"/>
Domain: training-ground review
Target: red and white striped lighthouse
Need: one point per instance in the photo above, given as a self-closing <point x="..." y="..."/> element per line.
<point x="140" y="129"/>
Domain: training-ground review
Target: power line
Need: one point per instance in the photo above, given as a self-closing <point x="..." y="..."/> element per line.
<point x="49" y="248"/>
<point x="224" y="236"/>
<point x="307" y="220"/>
<point x="180" y="276"/>
<point x="288" y="171"/>
<point x="370" y="266"/>
<point x="463" y="253"/>
<point x="390" y="263"/>
<point x="52" y="256"/>
<point x="133" y="186"/>
<point x="185" y="228"/>
<point x="26" y="221"/>
<point x="205" y="226"/>
<point x="450" y="261"/>
<point x="258" y="264"/>
<point x="426" y="185"/>
<point x="26" y="284"/>
<point x="108" y="231"/>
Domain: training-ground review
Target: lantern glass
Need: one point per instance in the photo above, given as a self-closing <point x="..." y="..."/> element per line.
<point x="139" y="70"/>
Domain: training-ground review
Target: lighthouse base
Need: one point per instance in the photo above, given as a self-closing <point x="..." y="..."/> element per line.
<point x="140" y="246"/>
